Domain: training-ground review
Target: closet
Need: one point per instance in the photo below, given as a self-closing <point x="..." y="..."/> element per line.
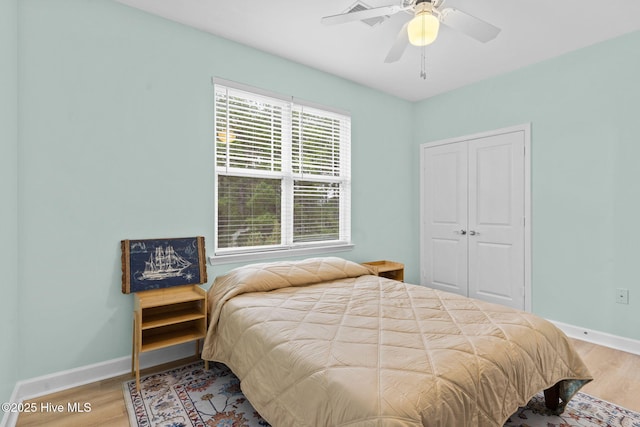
<point x="475" y="202"/>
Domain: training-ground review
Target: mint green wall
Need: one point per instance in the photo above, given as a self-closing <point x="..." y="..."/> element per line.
<point x="8" y="196"/>
<point x="584" y="109"/>
<point x="116" y="111"/>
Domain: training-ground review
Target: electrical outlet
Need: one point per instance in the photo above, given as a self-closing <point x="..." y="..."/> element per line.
<point x="622" y="296"/>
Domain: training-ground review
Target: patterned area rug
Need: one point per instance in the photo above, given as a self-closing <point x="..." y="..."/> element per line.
<point x="191" y="396"/>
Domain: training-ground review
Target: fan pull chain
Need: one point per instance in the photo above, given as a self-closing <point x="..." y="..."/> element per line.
<point x="423" y="64"/>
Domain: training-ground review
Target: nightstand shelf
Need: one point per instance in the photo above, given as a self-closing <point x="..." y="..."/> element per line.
<point x="167" y="317"/>
<point x="169" y="338"/>
<point x="158" y="320"/>
<point x="389" y="269"/>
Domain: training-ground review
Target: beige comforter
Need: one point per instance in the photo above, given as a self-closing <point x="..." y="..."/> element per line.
<point x="323" y="342"/>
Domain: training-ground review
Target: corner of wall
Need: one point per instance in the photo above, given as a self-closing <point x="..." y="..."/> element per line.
<point x="9" y="195"/>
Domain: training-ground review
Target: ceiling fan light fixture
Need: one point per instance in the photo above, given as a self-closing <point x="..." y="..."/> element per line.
<point x="423" y="28"/>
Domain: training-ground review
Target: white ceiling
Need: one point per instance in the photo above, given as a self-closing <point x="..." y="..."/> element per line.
<point x="531" y="32"/>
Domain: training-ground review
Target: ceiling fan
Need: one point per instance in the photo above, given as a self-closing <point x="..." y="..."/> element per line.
<point x="423" y="28"/>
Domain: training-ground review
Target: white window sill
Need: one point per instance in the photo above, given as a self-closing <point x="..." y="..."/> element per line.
<point x="283" y="253"/>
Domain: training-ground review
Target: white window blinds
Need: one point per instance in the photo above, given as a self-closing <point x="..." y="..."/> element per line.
<point x="282" y="173"/>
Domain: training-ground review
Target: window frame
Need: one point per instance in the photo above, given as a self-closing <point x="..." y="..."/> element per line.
<point x="287" y="246"/>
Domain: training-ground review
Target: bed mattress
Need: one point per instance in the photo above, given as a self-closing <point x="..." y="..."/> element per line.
<point x="325" y="343"/>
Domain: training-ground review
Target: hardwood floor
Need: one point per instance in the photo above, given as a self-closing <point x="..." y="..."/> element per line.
<point x="106" y="399"/>
<point x="616" y="373"/>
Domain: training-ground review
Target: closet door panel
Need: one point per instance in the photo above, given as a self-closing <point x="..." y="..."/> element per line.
<point x="496" y="215"/>
<point x="444" y="209"/>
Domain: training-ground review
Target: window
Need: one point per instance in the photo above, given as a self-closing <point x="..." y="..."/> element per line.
<point x="282" y="173"/>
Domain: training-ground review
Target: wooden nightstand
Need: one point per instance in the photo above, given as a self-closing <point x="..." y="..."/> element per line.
<point x="389" y="269"/>
<point x="166" y="317"/>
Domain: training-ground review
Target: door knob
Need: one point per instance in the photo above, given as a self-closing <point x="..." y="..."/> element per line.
<point x="463" y="232"/>
<point x="473" y="233"/>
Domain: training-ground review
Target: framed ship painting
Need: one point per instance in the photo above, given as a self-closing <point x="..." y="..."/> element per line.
<point x="162" y="263"/>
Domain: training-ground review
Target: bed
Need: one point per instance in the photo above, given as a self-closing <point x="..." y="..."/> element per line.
<point x="325" y="342"/>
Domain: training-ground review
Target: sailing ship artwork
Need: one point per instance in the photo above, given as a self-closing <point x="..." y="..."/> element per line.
<point x="161" y="263"/>
<point x="164" y="264"/>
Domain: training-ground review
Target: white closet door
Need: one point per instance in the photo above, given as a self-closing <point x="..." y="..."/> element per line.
<point x="444" y="211"/>
<point x="473" y="209"/>
<point x="496" y="219"/>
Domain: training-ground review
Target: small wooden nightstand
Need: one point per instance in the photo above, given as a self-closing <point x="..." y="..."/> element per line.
<point x="389" y="269"/>
<point x="166" y="317"/>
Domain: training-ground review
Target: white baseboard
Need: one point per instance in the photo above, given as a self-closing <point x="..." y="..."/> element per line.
<point x="601" y="338"/>
<point x="58" y="381"/>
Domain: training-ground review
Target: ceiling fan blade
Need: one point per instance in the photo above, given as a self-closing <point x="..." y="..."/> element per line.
<point x="469" y="25"/>
<point x="399" y="45"/>
<point x="361" y="14"/>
